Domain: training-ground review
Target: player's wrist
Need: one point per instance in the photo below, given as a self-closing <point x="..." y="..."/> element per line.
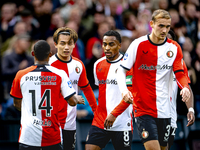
<point x="191" y="109"/>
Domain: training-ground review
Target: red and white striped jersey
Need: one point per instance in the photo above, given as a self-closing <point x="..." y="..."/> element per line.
<point x="174" y="90"/>
<point x="153" y="65"/>
<point x="75" y="69"/>
<point x="109" y="95"/>
<point x="39" y="87"/>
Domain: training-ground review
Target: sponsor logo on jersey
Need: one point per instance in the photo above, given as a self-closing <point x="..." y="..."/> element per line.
<point x="145" y="52"/>
<point x="158" y="67"/>
<point x="144" y="134"/>
<point x="108" y="82"/>
<point x="170" y="54"/>
<point x="125" y="56"/>
<point x="44" y="122"/>
<point x="99" y="69"/>
<point x="40" y="78"/>
<point x="78" y="70"/>
<point x="69" y="84"/>
<point x="74" y="81"/>
<point x="126" y="144"/>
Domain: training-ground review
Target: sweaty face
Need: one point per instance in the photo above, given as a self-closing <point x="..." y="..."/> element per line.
<point x="160" y="28"/>
<point x="111" y="47"/>
<point x="64" y="47"/>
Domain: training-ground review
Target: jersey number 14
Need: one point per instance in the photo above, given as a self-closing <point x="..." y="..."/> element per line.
<point x="46" y="96"/>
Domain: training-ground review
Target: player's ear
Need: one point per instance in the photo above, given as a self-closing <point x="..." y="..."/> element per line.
<point x="151" y="23"/>
<point x="32" y="53"/>
<point x="119" y="46"/>
<point x="50" y="54"/>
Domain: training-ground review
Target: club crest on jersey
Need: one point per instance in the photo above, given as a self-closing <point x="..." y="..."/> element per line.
<point x="170" y="54"/>
<point x="144" y="134"/>
<point x="78" y="70"/>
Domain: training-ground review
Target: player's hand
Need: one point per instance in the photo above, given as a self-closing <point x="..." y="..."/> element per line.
<point x="80" y="99"/>
<point x="109" y="121"/>
<point x="191" y="118"/>
<point x="185" y="92"/>
<point x="127" y="97"/>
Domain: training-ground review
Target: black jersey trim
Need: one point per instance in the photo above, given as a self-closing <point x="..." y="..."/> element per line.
<point x="63" y="60"/>
<point x="68" y="97"/>
<point x="156" y="44"/>
<point x="178" y="71"/>
<point x="115" y="61"/>
<point x="124" y="67"/>
<point x="85" y="85"/>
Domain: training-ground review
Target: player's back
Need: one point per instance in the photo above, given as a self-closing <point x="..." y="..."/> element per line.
<point x="40" y="88"/>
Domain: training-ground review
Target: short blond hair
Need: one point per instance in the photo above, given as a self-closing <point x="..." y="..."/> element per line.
<point x="160" y="13"/>
<point x="73" y="35"/>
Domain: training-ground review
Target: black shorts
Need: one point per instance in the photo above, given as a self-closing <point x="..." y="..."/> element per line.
<point x="69" y="139"/>
<point x="52" y="147"/>
<point x="171" y="136"/>
<point x="121" y="140"/>
<point x="150" y="128"/>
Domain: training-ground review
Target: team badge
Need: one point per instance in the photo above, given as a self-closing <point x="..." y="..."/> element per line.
<point x="78" y="70"/>
<point x="145" y="134"/>
<point x="170" y="54"/>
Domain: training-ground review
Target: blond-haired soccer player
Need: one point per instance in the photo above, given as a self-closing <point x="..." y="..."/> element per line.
<point x="153" y="58"/>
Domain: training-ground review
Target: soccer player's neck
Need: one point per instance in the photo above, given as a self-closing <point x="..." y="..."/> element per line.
<point x="63" y="58"/>
<point x="155" y="39"/>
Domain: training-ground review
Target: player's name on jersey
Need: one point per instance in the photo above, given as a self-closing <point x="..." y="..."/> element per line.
<point x="40" y="78"/>
<point x="108" y="82"/>
<point x="44" y="122"/>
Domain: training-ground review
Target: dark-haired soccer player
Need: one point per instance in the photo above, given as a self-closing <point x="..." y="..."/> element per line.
<point x="36" y="91"/>
<point x="64" y="40"/>
<point x="105" y="70"/>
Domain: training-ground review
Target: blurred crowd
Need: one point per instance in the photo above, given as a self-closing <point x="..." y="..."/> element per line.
<point x="23" y="22"/>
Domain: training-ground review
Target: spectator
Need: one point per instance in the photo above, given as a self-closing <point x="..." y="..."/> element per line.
<point x="56" y="22"/>
<point x="94" y="51"/>
<point x="33" y="26"/>
<point x="8" y="20"/>
<point x="189" y="18"/>
<point x="99" y="17"/>
<point x="113" y="4"/>
<point x="19" y="29"/>
<point x="79" y="49"/>
<point x="197" y="85"/>
<point x="52" y="46"/>
<point x="16" y="60"/>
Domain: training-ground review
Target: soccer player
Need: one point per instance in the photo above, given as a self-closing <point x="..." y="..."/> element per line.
<point x="153" y="58"/>
<point x="189" y="104"/>
<point x="105" y="70"/>
<point x="64" y="40"/>
<point x="36" y="91"/>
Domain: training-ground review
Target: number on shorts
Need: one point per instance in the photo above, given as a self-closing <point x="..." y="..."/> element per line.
<point x="173" y="131"/>
<point x="168" y="130"/>
<point x="126" y="136"/>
